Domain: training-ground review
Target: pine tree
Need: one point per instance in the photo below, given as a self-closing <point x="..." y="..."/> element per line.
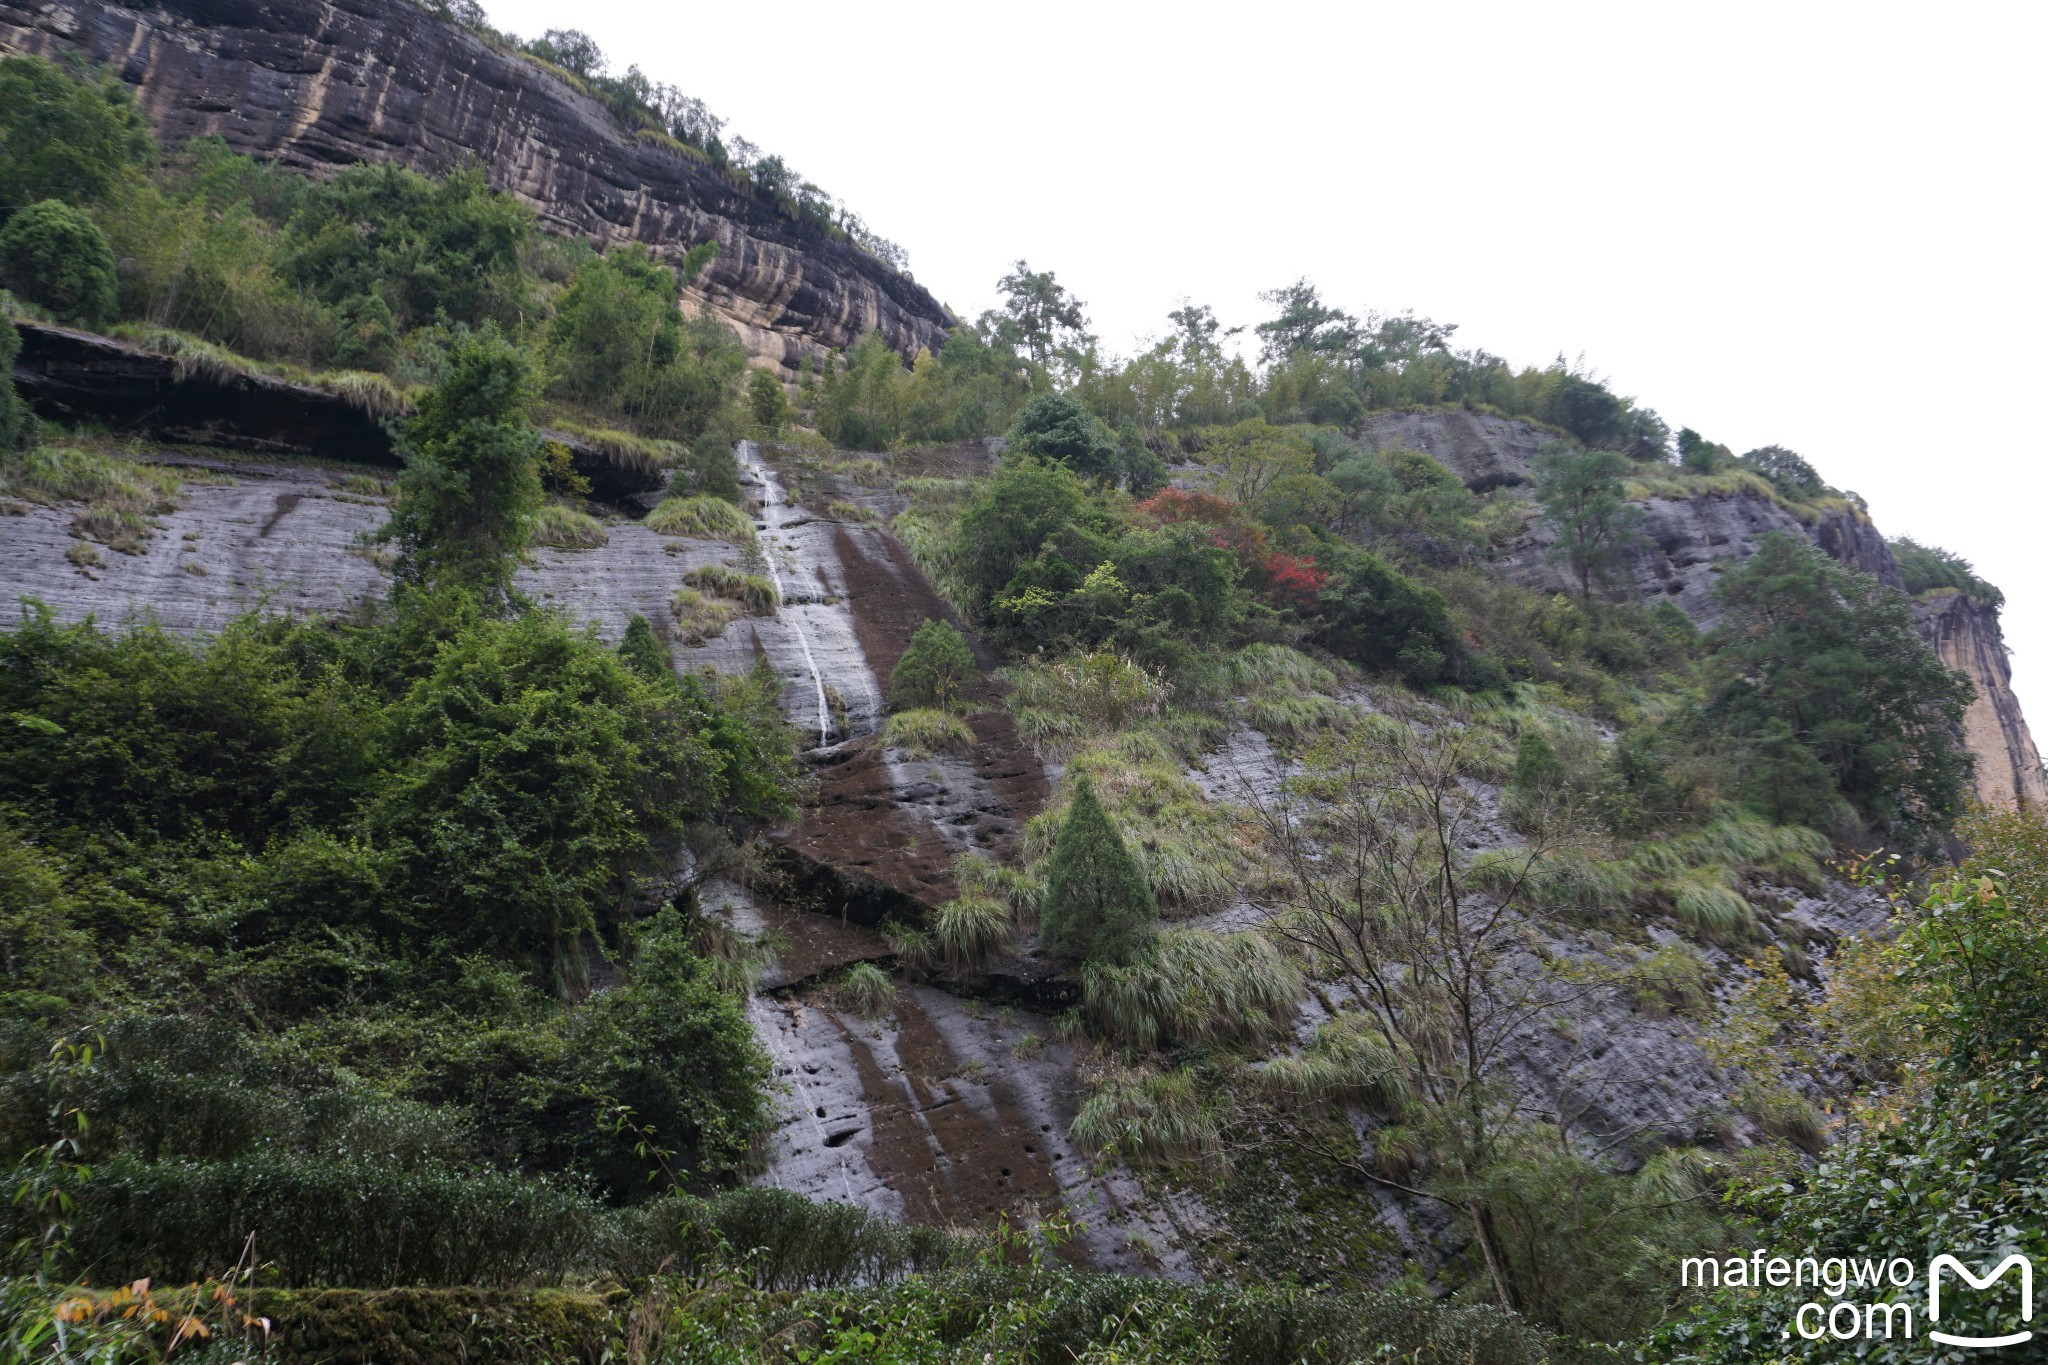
<point x="1097" y="905"/>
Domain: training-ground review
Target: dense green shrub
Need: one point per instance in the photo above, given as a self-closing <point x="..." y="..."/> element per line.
<point x="619" y="343"/>
<point x="1375" y="615"/>
<point x="55" y="255"/>
<point x="1060" y="430"/>
<point x="390" y="250"/>
<point x="336" y="1222"/>
<point x="464" y="506"/>
<point x="934" y="670"/>
<point x="1929" y="568"/>
<point x="66" y="137"/>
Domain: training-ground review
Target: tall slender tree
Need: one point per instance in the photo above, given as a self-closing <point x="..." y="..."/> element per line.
<point x="1097" y="904"/>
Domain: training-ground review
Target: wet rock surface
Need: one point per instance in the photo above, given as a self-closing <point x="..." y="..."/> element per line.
<point x="950" y="1112"/>
<point x="319" y="86"/>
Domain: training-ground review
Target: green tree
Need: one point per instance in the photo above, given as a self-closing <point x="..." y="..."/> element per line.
<point x="1788" y="472"/>
<point x="466" y="500"/>
<point x="1701" y="456"/>
<point x="1305" y="325"/>
<point x="1584" y="503"/>
<point x="1955" y="1159"/>
<point x="619" y="343"/>
<point x="933" y="670"/>
<point x="66" y="137"/>
<point x="1818" y="673"/>
<point x="387" y="250"/>
<point x="1039" y="318"/>
<point x="1097" y="905"/>
<point x="1252" y="455"/>
<point x="767" y="402"/>
<point x="1059" y="429"/>
<point x="1012" y="517"/>
<point x="55" y="255"/>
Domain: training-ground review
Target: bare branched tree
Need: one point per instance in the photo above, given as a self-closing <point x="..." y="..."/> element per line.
<point x="1383" y="896"/>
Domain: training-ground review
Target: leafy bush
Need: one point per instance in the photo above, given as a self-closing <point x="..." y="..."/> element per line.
<point x="463" y="509"/>
<point x="1059" y="429"/>
<point x="1821" y="678"/>
<point x="619" y="343"/>
<point x="56" y="256"/>
<point x="934" y="669"/>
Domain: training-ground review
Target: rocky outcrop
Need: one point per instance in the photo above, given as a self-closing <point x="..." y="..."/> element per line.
<point x="1485" y="450"/>
<point x="1688" y="542"/>
<point x="320" y="85"/>
<point x="1965" y="634"/>
<point x="78" y="377"/>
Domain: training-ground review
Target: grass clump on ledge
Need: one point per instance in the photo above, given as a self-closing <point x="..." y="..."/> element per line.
<point x="865" y="989"/>
<point x="702" y="518"/>
<point x="969" y="931"/>
<point x="624" y="449"/>
<point x="1193" y="987"/>
<point x="120" y="496"/>
<point x="1151" y="1117"/>
<point x="926" y="731"/>
<point x="752" y="591"/>
<point x="699" y="617"/>
<point x="565" y="528"/>
<point x="370" y="394"/>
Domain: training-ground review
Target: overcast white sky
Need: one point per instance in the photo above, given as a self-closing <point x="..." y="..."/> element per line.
<point x="1815" y="225"/>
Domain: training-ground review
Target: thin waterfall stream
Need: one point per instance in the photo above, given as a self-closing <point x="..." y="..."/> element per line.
<point x="773" y="509"/>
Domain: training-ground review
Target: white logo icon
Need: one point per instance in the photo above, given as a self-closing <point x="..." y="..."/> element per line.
<point x="2026" y="1298"/>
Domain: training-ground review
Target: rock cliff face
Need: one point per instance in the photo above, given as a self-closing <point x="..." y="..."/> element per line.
<point x="1689" y="541"/>
<point x="1965" y="634"/>
<point x="320" y="85"/>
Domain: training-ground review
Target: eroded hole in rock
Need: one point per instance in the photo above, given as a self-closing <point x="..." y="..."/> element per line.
<point x="821" y="1111"/>
<point x="841" y="1139"/>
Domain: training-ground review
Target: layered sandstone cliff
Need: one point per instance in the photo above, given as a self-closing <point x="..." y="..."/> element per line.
<point x="320" y="85"/>
<point x="1965" y="633"/>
